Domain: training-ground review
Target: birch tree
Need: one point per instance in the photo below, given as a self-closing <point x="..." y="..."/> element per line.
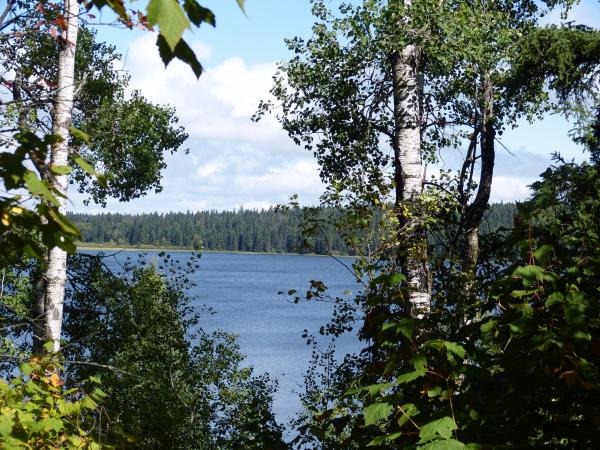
<point x="408" y="161"/>
<point x="496" y="88"/>
<point x="127" y="154"/>
<point x="56" y="273"/>
<point x="353" y="96"/>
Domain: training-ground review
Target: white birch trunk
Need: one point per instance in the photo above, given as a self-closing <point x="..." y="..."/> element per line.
<point x="409" y="167"/>
<point x="56" y="273"/>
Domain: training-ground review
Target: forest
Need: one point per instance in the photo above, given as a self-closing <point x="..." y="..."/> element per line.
<point x="268" y="231"/>
<point x="479" y="324"/>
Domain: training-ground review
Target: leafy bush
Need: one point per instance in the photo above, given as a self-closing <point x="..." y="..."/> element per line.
<point x="38" y="412"/>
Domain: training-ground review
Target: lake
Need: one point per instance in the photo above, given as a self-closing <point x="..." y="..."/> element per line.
<point x="243" y="291"/>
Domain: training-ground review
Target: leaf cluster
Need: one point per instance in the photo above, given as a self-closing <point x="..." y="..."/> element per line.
<point x="39" y="412"/>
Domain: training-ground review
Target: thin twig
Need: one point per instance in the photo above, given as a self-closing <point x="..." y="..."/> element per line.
<point x="409" y="418"/>
<point x="359" y="280"/>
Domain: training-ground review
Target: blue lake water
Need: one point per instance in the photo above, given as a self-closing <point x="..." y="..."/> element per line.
<point x="243" y="291"/>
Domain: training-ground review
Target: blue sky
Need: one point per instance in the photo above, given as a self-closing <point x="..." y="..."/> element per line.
<point x="233" y="162"/>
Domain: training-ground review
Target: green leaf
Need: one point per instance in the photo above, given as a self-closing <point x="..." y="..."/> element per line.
<point x="410" y="376"/>
<point x="473" y="414"/>
<point x="376" y="412"/>
<point x="88" y="403"/>
<point x="434" y="392"/>
<point x="100" y="394"/>
<point x="529" y="274"/>
<point x="445" y="444"/>
<point x="63" y="222"/>
<point x="409" y="410"/>
<point x="198" y="14"/>
<point x="6" y="424"/>
<point x="395" y="279"/>
<point x="488" y="326"/>
<point x="49" y="346"/>
<point x="53" y="423"/>
<point x="455" y="349"/>
<point x="38" y="187"/>
<point x="390" y="280"/>
<point x="420" y="365"/>
<point x="182" y="52"/>
<point x="90" y="170"/>
<point x="372" y="389"/>
<point x="79" y="134"/>
<point x="61" y="170"/>
<point x="26" y="369"/>
<point x="383" y="439"/>
<point x="543" y="253"/>
<point x="170" y="18"/>
<point x="404" y="326"/>
<point x="440" y="428"/>
<point x="85" y="165"/>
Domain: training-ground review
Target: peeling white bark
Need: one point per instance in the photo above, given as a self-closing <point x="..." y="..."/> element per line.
<point x="409" y="166"/>
<point x="56" y="273"/>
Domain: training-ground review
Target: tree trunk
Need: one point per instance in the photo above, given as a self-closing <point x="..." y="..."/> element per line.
<point x="38" y="312"/>
<point x="409" y="173"/>
<point x="56" y="272"/>
<point x="476" y="210"/>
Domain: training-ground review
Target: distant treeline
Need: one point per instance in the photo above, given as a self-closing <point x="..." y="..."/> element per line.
<point x="239" y="230"/>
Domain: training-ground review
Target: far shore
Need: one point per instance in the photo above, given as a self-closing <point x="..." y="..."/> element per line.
<point x="114" y="248"/>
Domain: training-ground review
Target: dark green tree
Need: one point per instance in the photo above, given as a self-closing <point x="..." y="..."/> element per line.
<point x="169" y="383"/>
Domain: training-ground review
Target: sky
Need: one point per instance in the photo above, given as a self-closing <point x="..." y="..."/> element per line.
<point x="233" y="162"/>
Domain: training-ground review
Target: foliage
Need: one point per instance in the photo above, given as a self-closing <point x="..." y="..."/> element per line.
<point x="333" y="96"/>
<point x="518" y="370"/>
<point x="125" y="149"/>
<point x="169" y="382"/>
<point x="111" y="131"/>
<point x="20" y="225"/>
<point x="124" y="164"/>
<point x="560" y="58"/>
<point x="443" y="379"/>
<point x="39" y="412"/>
<point x="548" y="328"/>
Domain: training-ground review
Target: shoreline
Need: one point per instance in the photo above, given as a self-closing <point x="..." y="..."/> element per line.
<point x="112" y="248"/>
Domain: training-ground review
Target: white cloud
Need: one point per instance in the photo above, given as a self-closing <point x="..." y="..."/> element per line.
<point x="298" y="176"/>
<point x="228" y="176"/>
<point x="202" y="50"/>
<point x="210" y="168"/>
<point x="508" y="188"/>
<point x="216" y="107"/>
